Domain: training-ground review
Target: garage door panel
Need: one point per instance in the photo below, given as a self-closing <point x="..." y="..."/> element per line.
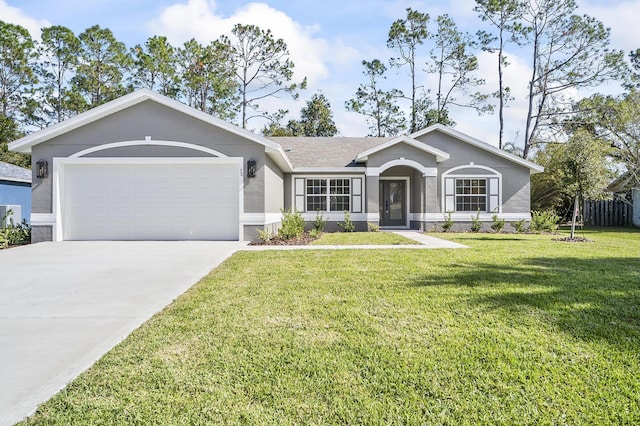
<point x="150" y="201"/>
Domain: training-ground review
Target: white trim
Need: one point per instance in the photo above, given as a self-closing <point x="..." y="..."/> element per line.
<point x="332" y="176"/>
<point x="406" y="196"/>
<point x="336" y="216"/>
<point x="59" y="164"/>
<point x="329" y="169"/>
<point x="426" y="171"/>
<point x="534" y="168"/>
<point x="439" y="154"/>
<point x="148" y="142"/>
<point x="43" y="219"/>
<point x="260" y="218"/>
<point x="273" y="149"/>
<point x="493" y="174"/>
<point x="466" y="217"/>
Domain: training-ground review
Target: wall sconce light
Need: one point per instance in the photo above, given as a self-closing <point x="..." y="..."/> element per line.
<point x="251" y="168"/>
<point x="43" y="169"/>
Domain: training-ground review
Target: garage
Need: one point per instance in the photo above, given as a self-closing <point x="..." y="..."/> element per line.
<point x="148" y="198"/>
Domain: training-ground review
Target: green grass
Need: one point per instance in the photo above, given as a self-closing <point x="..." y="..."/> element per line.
<point x="517" y="329"/>
<point x="363" y="238"/>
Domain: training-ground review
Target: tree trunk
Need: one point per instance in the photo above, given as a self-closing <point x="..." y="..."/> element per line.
<point x="575" y="216"/>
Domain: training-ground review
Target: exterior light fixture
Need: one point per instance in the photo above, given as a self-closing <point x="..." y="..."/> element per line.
<point x="43" y="169"/>
<point x="251" y="168"/>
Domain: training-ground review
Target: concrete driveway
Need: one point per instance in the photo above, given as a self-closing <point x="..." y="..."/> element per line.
<point x="63" y="305"/>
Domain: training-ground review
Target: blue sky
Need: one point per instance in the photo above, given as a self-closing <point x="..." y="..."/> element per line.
<point x="328" y="40"/>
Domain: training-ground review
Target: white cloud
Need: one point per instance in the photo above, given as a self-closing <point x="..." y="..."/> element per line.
<point x="200" y="20"/>
<point x="621" y="17"/>
<point x="16" y="16"/>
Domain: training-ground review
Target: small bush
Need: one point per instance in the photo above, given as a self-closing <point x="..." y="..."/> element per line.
<point x="476" y="225"/>
<point x="448" y="222"/>
<point x="498" y="224"/>
<point x="319" y="222"/>
<point x="373" y="227"/>
<point x="348" y="225"/>
<point x="292" y="225"/>
<point x="14" y="235"/>
<point x="518" y="225"/>
<point x="314" y="233"/>
<point x="544" y="221"/>
<point x="264" y="235"/>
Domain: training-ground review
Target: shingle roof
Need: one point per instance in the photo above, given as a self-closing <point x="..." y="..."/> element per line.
<point x="326" y="152"/>
<point x="13" y="173"/>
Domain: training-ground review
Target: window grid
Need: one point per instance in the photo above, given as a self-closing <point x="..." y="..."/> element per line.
<point x="471" y="195"/>
<point x="328" y="195"/>
<point x="339" y="190"/>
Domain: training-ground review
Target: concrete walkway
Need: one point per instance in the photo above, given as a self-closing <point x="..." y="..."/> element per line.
<point x="63" y="305"/>
<point x="426" y="243"/>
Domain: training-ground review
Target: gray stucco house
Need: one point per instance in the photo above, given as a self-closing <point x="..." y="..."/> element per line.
<point x="146" y="167"/>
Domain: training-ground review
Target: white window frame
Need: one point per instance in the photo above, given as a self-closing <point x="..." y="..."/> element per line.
<point x="485" y="195"/>
<point x="356" y="193"/>
<point x="494" y="188"/>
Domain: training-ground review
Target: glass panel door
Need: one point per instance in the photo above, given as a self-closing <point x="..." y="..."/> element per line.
<point x="392" y="203"/>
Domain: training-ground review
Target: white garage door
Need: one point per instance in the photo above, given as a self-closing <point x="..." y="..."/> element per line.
<point x="151" y="200"/>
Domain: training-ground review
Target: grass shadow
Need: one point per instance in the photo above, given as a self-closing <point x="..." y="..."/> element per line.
<point x="589" y="298"/>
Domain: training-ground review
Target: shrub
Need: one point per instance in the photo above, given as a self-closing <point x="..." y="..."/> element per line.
<point x="448" y="222"/>
<point x="476" y="225"/>
<point x="314" y="233"/>
<point x="13" y="235"/>
<point x="544" y="221"/>
<point x="373" y="227"/>
<point x="348" y="225"/>
<point x="292" y="224"/>
<point x="319" y="222"/>
<point x="264" y="235"/>
<point x="518" y="226"/>
<point x="498" y="224"/>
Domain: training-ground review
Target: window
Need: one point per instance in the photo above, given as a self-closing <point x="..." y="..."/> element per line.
<point x="328" y="195"/>
<point x="316" y="195"/>
<point x="339" y="190"/>
<point x="471" y="195"/>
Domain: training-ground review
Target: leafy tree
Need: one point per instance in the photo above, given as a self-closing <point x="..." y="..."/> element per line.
<point x="9" y="132"/>
<point x="379" y="106"/>
<point x="567" y="52"/>
<point x="155" y="66"/>
<point x="207" y="76"/>
<point x="58" y="52"/>
<point x="615" y="121"/>
<point x="316" y="119"/>
<point x="263" y="68"/>
<point x="103" y="62"/>
<point x="405" y="36"/>
<point x="579" y="167"/>
<point x="503" y="15"/>
<point x="453" y="65"/>
<point x="17" y="52"/>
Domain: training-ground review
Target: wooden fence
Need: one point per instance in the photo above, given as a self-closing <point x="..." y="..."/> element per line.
<point x="607" y="213"/>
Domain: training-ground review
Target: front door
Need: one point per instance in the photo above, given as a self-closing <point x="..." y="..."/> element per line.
<point x="393" y="206"/>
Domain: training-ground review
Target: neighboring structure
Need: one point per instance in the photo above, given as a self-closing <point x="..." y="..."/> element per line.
<point x="148" y="167"/>
<point x="626" y="187"/>
<point x="15" y="192"/>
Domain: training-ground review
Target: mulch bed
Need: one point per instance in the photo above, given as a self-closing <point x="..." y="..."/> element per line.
<point x="573" y="240"/>
<point x="303" y="240"/>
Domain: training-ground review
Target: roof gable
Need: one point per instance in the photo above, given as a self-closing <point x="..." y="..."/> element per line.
<point x="534" y="168"/>
<point x="24" y="144"/>
<point x="439" y="154"/>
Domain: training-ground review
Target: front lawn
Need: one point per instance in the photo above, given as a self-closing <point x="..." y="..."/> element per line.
<point x="363" y="238"/>
<point x="515" y="330"/>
